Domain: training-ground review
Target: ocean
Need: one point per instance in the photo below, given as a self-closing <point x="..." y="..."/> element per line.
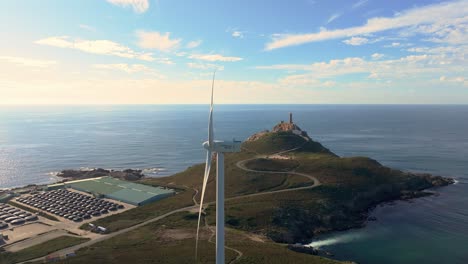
<point x="38" y="141"/>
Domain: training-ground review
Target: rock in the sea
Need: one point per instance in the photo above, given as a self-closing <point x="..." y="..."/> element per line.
<point x="128" y="174"/>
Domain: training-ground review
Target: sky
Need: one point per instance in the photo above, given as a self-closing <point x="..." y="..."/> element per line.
<point x="263" y="51"/>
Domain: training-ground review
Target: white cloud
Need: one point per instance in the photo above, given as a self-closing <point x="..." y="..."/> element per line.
<point x="193" y="44"/>
<point x="411" y="67"/>
<point x="333" y="17"/>
<point x="28" y="62"/>
<point x="101" y="87"/>
<point x="287" y="67"/>
<point x="204" y="66"/>
<point x="59" y="41"/>
<point x="456" y="79"/>
<point x="298" y="80"/>
<point x="460" y="50"/>
<point x="373" y="75"/>
<point x="167" y="61"/>
<point x="237" y="34"/>
<point x="139" y="6"/>
<point x="398" y="45"/>
<point x="103" y="47"/>
<point x="87" y="27"/>
<point x="444" y="15"/>
<point x="451" y="31"/>
<point x="128" y="68"/>
<point x="377" y="56"/>
<point x="181" y="54"/>
<point x="214" y="57"/>
<point x="359" y="4"/>
<point x="356" y="41"/>
<point x="156" y="40"/>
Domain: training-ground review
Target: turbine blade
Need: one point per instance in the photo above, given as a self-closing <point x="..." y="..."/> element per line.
<point x="205" y="181"/>
<point x="210" y="129"/>
<point x="212" y="88"/>
<point x="210" y="122"/>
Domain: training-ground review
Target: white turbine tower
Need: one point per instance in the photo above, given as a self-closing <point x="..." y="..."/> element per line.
<point x="218" y="147"/>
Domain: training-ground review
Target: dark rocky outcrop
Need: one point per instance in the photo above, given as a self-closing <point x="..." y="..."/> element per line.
<point x="127" y="174"/>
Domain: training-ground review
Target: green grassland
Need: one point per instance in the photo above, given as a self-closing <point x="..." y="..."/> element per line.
<point x="171" y="240"/>
<point x="41" y="249"/>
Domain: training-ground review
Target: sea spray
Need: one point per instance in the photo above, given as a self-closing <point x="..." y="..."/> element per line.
<point x="336" y="239"/>
<point x="153" y="171"/>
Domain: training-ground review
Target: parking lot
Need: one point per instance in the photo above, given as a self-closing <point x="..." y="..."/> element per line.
<point x="71" y="209"/>
<point x="71" y="205"/>
<point x="12" y="216"/>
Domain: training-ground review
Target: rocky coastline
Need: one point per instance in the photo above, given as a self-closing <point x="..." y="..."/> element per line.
<point x="361" y="218"/>
<point x="127" y="174"/>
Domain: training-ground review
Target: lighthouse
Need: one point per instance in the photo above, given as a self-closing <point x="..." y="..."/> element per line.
<point x="290" y="118"/>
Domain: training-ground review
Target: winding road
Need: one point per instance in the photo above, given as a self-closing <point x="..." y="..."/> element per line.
<point x="240" y="165"/>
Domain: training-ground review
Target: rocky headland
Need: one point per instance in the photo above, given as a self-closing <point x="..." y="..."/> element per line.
<point x="346" y="190"/>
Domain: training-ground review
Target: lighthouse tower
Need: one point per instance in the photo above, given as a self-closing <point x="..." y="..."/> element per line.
<point x="290" y="118"/>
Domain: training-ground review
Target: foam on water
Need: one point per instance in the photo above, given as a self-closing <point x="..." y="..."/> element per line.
<point x="153" y="171"/>
<point x="337" y="239"/>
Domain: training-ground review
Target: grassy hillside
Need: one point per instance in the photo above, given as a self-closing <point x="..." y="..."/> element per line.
<point x="273" y="142"/>
<point x="350" y="187"/>
<point x="41" y="249"/>
<point x="171" y="241"/>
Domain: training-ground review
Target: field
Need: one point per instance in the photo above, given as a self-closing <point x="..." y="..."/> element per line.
<point x="171" y="240"/>
<point x="40" y="250"/>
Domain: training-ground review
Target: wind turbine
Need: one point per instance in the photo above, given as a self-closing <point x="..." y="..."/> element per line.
<point x="218" y="147"/>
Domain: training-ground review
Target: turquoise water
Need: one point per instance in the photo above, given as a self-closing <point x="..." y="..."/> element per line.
<point x="37" y="141"/>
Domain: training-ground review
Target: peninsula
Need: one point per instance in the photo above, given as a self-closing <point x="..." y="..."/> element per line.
<point x="326" y="192"/>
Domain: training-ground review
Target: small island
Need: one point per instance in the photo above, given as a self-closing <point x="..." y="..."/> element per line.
<point x="127" y="174"/>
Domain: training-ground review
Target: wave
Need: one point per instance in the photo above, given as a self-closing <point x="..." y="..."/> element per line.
<point x="153" y="171"/>
<point x="53" y="173"/>
<point x="337" y="239"/>
<point x="86" y="169"/>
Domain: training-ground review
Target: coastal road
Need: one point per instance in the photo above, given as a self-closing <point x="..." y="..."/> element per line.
<point x="240" y="165"/>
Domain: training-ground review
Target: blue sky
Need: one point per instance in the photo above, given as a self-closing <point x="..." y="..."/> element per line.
<point x="303" y="51"/>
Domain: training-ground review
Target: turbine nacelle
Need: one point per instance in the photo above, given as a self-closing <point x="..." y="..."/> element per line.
<point x="223" y="146"/>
